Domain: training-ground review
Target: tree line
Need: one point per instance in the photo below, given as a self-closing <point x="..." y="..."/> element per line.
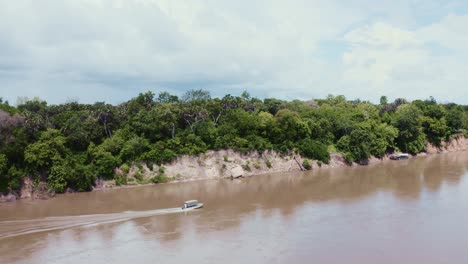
<point x="71" y="145"/>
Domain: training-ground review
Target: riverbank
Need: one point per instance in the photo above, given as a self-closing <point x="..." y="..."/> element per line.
<point x="231" y="164"/>
<point x="221" y="164"/>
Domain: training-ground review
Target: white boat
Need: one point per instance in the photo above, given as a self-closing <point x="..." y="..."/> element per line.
<point x="192" y="204"/>
<point x="399" y="156"/>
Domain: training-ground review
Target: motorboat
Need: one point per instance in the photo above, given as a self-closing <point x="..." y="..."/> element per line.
<point x="399" y="156"/>
<point x="192" y="204"/>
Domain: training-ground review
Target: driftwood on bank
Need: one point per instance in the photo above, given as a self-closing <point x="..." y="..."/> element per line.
<point x="299" y="164"/>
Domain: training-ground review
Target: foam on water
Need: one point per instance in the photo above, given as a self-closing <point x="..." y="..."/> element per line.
<point x="30" y="226"/>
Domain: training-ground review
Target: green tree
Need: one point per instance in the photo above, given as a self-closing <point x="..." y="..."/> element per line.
<point x="196" y="95"/>
<point x="103" y="162"/>
<point x="71" y="172"/>
<point x="3" y="163"/>
<point x="49" y="149"/>
<point x="272" y="105"/>
<point x="3" y="178"/>
<point x="385" y="138"/>
<point x="383" y="100"/>
<point x="368" y="139"/>
<point x="146" y="125"/>
<point x="357" y="145"/>
<point x="455" y="118"/>
<point x="314" y="150"/>
<point x="207" y="132"/>
<point x="11" y="179"/>
<point x="165" y="97"/>
<point x="79" y="129"/>
<point x="408" y="120"/>
<point x="167" y="118"/>
<point x="292" y="127"/>
<point x="133" y="148"/>
<point x="435" y="129"/>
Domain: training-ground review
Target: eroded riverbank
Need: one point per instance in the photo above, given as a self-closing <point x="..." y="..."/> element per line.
<point x="231" y="164"/>
<point x="223" y="164"/>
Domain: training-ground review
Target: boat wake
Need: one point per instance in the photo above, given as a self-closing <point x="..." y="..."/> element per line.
<point x="30" y="226"/>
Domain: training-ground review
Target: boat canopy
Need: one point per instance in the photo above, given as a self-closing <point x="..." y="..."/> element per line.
<point x="191" y="201"/>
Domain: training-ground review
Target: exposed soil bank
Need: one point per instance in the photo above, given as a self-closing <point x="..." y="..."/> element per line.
<point x="29" y="190"/>
<point x="232" y="164"/>
<point x="224" y="164"/>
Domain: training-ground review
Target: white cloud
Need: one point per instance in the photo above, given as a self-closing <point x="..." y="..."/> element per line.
<point x="111" y="50"/>
<point x="163" y="42"/>
<point x="451" y="33"/>
<point x="429" y="61"/>
<point x="380" y="49"/>
<point x="382" y="35"/>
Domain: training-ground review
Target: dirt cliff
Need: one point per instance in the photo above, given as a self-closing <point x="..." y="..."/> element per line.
<point x="224" y="164"/>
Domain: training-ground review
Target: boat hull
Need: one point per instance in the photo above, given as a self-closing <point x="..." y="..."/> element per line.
<point x="399" y="158"/>
<point x="197" y="206"/>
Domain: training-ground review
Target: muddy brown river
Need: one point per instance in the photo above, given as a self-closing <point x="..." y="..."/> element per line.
<point x="409" y="211"/>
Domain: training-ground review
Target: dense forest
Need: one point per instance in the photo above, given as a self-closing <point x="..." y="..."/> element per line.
<point x="72" y="144"/>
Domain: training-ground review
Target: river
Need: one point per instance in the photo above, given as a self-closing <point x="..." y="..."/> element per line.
<point x="408" y="211"/>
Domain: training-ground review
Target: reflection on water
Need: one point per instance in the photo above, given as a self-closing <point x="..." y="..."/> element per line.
<point x="409" y="211"/>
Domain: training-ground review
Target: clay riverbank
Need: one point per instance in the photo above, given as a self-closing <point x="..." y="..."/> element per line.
<point x="221" y="164"/>
<point x="231" y="164"/>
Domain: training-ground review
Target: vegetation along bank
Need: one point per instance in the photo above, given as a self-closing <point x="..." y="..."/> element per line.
<point x="158" y="138"/>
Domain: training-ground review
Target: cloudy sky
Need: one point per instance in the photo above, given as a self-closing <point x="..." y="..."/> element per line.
<point x="110" y="50"/>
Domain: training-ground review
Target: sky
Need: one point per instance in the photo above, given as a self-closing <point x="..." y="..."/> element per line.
<point x="111" y="50"/>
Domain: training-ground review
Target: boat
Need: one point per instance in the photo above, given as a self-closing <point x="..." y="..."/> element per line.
<point x="399" y="156"/>
<point x="192" y="204"/>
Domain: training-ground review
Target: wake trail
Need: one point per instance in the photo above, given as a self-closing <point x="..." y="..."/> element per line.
<point x="13" y="228"/>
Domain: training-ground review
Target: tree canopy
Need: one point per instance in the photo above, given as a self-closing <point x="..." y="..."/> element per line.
<point x="70" y="145"/>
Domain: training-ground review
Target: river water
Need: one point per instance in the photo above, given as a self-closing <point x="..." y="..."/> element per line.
<point x="409" y="211"/>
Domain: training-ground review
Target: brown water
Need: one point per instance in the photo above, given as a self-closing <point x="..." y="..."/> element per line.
<point x="412" y="211"/>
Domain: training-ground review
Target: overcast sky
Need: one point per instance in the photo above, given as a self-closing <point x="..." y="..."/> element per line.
<point x="110" y="50"/>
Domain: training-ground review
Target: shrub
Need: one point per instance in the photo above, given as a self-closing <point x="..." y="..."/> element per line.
<point x="258" y="143"/>
<point x="306" y="164"/>
<point x="12" y="179"/>
<point x="247" y="166"/>
<point x="103" y="162"/>
<point x="268" y="163"/>
<point x="314" y="150"/>
<point x="257" y="165"/>
<point x="159" y="156"/>
<point x="349" y="158"/>
<point x="71" y="173"/>
<point x="138" y="176"/>
<point x="125" y="168"/>
<point x="83" y="178"/>
<point x="120" y="180"/>
<point x="150" y="165"/>
<point x="139" y="166"/>
<point x="57" y="178"/>
<point x="160" y="179"/>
